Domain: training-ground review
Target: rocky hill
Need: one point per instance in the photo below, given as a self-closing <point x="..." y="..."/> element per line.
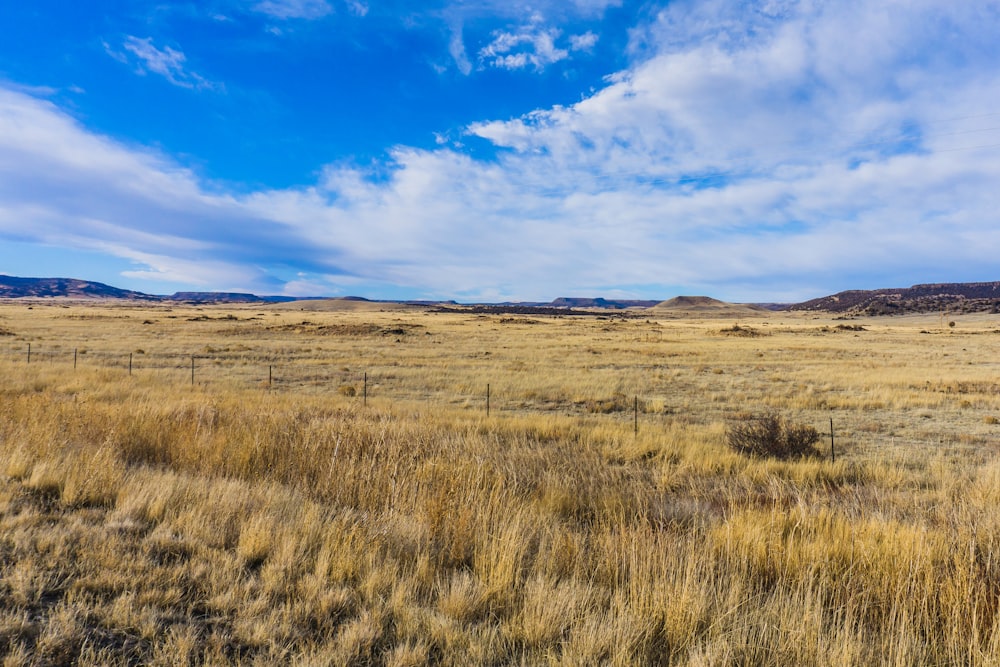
<point x="936" y="297"/>
<point x="12" y="287"/>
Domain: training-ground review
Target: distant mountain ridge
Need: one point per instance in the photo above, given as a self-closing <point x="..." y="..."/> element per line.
<point x="922" y="298"/>
<point x="931" y="297"/>
<point x="12" y="287"/>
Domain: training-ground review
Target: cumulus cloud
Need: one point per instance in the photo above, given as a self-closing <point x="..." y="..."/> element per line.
<point x="167" y="62"/>
<point x="532" y="41"/>
<point x="761" y="160"/>
<point x="531" y="45"/>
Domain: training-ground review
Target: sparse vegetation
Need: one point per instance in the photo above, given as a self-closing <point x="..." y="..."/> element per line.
<point x="146" y="520"/>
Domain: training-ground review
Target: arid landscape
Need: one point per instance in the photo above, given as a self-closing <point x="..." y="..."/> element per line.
<point x="320" y="483"/>
<point x="461" y="333"/>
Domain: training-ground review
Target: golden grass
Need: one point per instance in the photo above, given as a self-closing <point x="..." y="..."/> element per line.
<point x="148" y="520"/>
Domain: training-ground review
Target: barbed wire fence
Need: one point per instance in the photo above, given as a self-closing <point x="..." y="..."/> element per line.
<point x="293" y="372"/>
<point x="303" y="372"/>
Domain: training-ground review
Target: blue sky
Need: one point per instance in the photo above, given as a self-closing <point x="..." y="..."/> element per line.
<point x="485" y="150"/>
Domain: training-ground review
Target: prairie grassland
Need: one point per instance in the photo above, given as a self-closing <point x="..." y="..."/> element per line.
<point x="146" y="519"/>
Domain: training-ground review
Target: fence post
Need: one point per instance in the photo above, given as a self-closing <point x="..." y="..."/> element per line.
<point x="130" y="364"/>
<point x="833" y="454"/>
<point x="270" y="376"/>
<point x="635" y="411"/>
<point x="75" y="350"/>
<point x="487" y="399"/>
<point x="192" y="370"/>
<point x="365" y="392"/>
<point x="29" y="353"/>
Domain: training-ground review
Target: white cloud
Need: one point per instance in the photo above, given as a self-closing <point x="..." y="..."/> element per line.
<point x="167" y="62"/>
<point x="36" y="91"/>
<point x="456" y="47"/>
<point x="530" y="45"/>
<point x="357" y="7"/>
<point x="584" y="42"/>
<point x="759" y="161"/>
<point x="296" y="9"/>
<point x="533" y="40"/>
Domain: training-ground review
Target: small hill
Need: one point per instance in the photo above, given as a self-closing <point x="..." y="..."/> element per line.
<point x="16" y="288"/>
<point x="704" y="306"/>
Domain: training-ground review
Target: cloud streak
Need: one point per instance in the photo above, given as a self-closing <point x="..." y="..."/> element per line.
<point x="167" y="62"/>
<point x="754" y="160"/>
<point x="298" y="9"/>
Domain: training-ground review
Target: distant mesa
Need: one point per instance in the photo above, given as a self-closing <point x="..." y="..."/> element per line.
<point x="215" y="297"/>
<point x="586" y="302"/>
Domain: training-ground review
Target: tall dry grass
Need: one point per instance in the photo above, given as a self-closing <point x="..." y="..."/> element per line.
<point x="147" y="521"/>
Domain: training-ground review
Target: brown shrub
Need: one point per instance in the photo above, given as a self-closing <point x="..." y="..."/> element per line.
<point x="769" y="435"/>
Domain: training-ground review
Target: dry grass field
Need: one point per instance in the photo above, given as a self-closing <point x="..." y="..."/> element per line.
<point x="260" y="509"/>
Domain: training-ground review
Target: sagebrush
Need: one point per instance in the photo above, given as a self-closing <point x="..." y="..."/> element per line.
<point x="771" y="435"/>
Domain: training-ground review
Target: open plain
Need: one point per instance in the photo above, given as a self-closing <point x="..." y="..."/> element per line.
<point x="322" y="485"/>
